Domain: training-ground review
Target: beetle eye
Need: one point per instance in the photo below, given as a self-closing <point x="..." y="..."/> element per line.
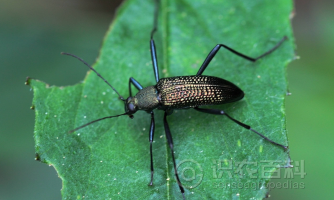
<point x="131" y="107"/>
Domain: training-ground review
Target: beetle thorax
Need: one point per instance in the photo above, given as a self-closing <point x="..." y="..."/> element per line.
<point x="147" y="98"/>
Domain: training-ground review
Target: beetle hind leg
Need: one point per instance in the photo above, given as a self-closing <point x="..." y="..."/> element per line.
<point x="221" y="112"/>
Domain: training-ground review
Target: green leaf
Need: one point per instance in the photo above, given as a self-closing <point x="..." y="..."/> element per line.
<point x="110" y="159"/>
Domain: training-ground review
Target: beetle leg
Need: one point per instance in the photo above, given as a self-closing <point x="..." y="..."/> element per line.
<point x="171" y="146"/>
<point x="213" y="52"/>
<point x="221" y="112"/>
<point x="151" y="137"/>
<point x="154" y="60"/>
<point x="135" y="83"/>
<point x="152" y="44"/>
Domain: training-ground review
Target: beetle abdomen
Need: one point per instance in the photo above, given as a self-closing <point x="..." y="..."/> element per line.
<point x="193" y="91"/>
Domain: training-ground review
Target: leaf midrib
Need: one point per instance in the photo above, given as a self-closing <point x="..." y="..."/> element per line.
<point x="164" y="22"/>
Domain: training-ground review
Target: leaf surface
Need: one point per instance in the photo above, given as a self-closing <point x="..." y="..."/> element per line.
<point x="217" y="159"/>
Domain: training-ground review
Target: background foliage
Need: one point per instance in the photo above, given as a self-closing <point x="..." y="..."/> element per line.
<point x="107" y="159"/>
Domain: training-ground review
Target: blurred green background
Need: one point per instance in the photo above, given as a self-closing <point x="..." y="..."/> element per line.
<point x="34" y="32"/>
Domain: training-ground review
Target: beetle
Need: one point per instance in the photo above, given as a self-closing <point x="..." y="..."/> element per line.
<point x="181" y="92"/>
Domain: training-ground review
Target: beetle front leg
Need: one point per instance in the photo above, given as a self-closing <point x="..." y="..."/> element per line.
<point x="135" y="83"/>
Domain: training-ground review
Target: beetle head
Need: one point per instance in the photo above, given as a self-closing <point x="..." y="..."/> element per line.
<point x="131" y="105"/>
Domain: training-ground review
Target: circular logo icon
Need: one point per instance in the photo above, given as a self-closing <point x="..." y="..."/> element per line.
<point x="190" y="173"/>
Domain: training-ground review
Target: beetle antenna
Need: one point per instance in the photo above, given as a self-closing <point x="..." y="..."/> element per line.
<point x="80" y="127"/>
<point x="68" y="54"/>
